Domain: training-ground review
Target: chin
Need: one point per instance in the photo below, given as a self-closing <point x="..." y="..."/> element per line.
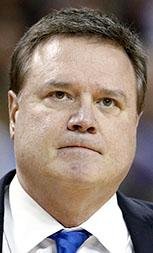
<point x="80" y="174"/>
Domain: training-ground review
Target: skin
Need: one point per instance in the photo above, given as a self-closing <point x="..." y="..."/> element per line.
<point x="74" y="126"/>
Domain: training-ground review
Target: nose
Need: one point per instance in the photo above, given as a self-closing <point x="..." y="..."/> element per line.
<point x="83" y="120"/>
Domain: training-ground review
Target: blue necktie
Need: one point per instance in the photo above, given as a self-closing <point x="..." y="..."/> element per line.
<point x="69" y="241"/>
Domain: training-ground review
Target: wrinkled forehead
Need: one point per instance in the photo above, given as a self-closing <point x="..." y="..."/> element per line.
<point x="83" y="62"/>
<point x="77" y="52"/>
<point x="56" y="41"/>
<point x="54" y="45"/>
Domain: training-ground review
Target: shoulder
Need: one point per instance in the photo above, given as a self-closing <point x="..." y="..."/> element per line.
<point x="134" y="206"/>
<point x="138" y="216"/>
<point x="4" y="181"/>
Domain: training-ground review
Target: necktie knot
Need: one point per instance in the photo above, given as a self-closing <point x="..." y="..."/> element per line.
<point x="69" y="241"/>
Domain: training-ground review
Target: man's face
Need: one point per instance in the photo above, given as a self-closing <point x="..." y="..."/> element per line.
<point x="75" y="120"/>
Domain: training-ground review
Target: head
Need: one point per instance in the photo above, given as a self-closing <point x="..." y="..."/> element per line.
<point x="85" y="23"/>
<point x="78" y="82"/>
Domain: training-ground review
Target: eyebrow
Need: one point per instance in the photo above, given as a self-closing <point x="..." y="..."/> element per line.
<point x="117" y="93"/>
<point x="114" y="93"/>
<point x="58" y="84"/>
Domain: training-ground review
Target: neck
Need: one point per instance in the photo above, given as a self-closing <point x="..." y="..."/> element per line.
<point x="72" y="206"/>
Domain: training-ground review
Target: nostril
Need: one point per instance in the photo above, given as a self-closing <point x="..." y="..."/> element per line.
<point x="80" y="128"/>
<point x="91" y="130"/>
<point x="76" y="127"/>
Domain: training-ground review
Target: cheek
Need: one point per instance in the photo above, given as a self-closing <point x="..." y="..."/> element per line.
<point x="35" y="142"/>
<point x="121" y="144"/>
<point x="37" y="132"/>
<point x="121" y="139"/>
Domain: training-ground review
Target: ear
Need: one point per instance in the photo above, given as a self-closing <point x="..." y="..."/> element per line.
<point x="13" y="107"/>
<point x="138" y="118"/>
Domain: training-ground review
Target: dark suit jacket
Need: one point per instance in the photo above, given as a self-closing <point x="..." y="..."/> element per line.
<point x="137" y="214"/>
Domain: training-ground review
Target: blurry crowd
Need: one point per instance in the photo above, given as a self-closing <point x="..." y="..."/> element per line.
<point x="16" y="16"/>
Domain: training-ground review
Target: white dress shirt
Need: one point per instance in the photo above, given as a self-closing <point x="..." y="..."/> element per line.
<point x="27" y="225"/>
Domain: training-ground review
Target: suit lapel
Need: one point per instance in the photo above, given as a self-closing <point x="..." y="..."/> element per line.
<point x="138" y="216"/>
<point x="3" y="182"/>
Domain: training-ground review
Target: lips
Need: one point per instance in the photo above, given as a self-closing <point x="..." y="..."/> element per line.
<point x="81" y="146"/>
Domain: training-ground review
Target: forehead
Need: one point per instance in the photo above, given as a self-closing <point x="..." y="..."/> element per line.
<point x="77" y="59"/>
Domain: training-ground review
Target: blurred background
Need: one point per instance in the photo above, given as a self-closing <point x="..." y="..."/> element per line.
<point x="16" y="16"/>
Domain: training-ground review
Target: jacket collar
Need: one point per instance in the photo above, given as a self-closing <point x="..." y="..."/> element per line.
<point x="138" y="216"/>
<point x="3" y="182"/>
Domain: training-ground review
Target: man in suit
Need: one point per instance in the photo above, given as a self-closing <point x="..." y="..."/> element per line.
<point x="78" y="82"/>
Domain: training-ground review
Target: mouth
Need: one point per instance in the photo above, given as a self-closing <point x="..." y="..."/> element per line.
<point x="80" y="147"/>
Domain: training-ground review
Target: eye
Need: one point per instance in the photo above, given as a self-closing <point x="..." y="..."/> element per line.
<point x="59" y="94"/>
<point x="107" y="102"/>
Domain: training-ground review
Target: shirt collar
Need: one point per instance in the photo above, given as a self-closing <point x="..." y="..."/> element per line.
<point x="108" y="226"/>
<point x="32" y="222"/>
